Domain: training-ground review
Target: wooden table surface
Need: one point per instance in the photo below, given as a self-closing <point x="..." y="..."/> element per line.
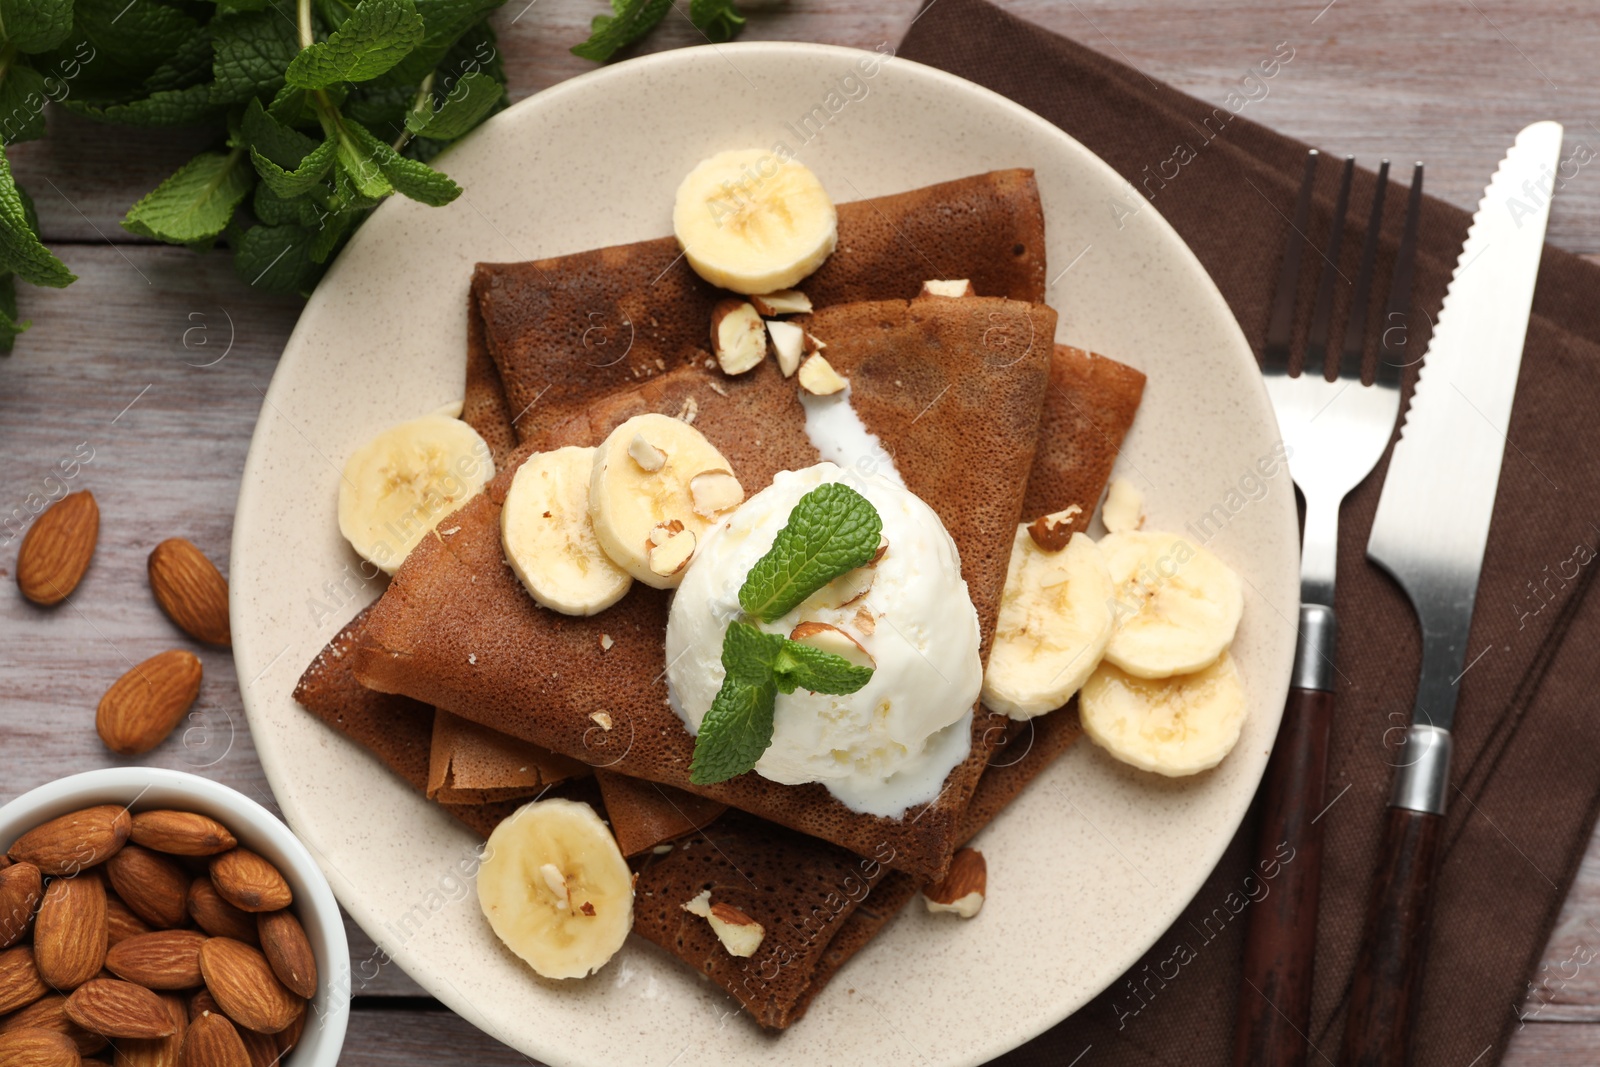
<point x="119" y="361"/>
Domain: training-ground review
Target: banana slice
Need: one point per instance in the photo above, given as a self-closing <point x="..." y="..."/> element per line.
<point x="398" y="485"/>
<point x="754" y="223"/>
<point x="1055" y="620"/>
<point x="1176" y="605"/>
<point x="549" y="540"/>
<point x="656" y="487"/>
<point x="555" y="888"/>
<point x="1172" y="726"/>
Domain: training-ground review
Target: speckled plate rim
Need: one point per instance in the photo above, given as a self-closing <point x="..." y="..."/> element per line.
<point x="1087" y="909"/>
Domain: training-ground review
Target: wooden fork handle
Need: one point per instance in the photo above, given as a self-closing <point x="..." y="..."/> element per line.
<point x="1274" y="1007"/>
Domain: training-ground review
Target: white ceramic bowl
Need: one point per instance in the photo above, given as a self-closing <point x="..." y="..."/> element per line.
<point x="146" y="788"/>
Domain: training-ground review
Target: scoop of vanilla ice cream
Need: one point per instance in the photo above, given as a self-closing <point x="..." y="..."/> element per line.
<point x="890" y="744"/>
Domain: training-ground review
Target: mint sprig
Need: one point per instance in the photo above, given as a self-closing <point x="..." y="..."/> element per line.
<point x="822" y="540"/>
<point x="831" y="531"/>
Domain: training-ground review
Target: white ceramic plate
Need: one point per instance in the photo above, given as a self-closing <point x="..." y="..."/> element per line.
<point x="1085" y="870"/>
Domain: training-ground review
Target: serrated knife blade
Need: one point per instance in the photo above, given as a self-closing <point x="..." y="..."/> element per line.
<point x="1433" y="515"/>
<point x="1429" y="533"/>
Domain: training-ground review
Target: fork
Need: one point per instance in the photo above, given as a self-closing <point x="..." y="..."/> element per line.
<point x="1335" y="431"/>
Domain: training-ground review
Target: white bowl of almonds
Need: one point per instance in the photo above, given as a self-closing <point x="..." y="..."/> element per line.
<point x="152" y="916"/>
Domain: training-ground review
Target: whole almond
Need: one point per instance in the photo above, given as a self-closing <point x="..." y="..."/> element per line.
<point x="154" y="887"/>
<point x="181" y="833"/>
<point x="242" y="981"/>
<point x="20" y="984"/>
<point x="164" y="960"/>
<point x="262" y="1048"/>
<point x="212" y="1041"/>
<point x="142" y="707"/>
<point x="56" y="552"/>
<point x="38" y="1048"/>
<point x="200" y="1002"/>
<point x="216" y="916"/>
<point x="74" y="842"/>
<point x="20" y="888"/>
<point x="249" y="882"/>
<point x="115" y="1008"/>
<point x="287" y="1038"/>
<point x="191" y="591"/>
<point x="121" y="923"/>
<point x="284" y="943"/>
<point x="70" y="935"/>
<point x="159" y="1051"/>
<point x="51" y="1014"/>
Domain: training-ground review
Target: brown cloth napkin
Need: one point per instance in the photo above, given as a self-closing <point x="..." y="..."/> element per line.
<point x="1525" y="779"/>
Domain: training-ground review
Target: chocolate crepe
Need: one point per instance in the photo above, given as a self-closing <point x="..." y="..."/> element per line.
<point x="398" y="730"/>
<point x="457" y="630"/>
<point x="562" y="331"/>
<point x="644" y="814"/>
<point x="1525" y="786"/>
<point x="471" y="764"/>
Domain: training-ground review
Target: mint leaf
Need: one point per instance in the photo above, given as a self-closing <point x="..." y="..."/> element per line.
<point x="35" y="25"/>
<point x="183" y="68"/>
<point x="22" y="100"/>
<point x="376" y="36"/>
<point x="20" y="248"/>
<point x="9" y="326"/>
<point x="118" y="41"/>
<point x="468" y="101"/>
<point x="409" y="177"/>
<point x="277" y="259"/>
<point x="738" y="727"/>
<point x="832" y="530"/>
<point x="282" y="145"/>
<point x="196" y="204"/>
<point x="170" y="107"/>
<point x="299" y="180"/>
<point x="444" y="22"/>
<point x="801" y="666"/>
<point x="252" y="50"/>
<point x="632" y="19"/>
<point x="719" y="20"/>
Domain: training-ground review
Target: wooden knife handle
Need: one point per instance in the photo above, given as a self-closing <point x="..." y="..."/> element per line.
<point x="1387" y="984"/>
<point x="1274" y="1008"/>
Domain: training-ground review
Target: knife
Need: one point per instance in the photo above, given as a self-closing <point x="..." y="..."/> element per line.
<point x="1429" y="534"/>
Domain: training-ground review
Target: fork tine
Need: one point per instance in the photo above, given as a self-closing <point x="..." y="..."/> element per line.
<point x="1355" y="323"/>
<point x="1391" y="358"/>
<point x="1275" y="355"/>
<point x="1317" y="339"/>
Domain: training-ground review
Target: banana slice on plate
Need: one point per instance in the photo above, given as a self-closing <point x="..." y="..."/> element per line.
<point x="752" y="222"/>
<point x="656" y="486"/>
<point x="549" y="540"/>
<point x="1176" y="605"/>
<point x="1055" y="620"/>
<point x="1172" y="726"/>
<point x="555" y="888"/>
<point x="398" y="485"/>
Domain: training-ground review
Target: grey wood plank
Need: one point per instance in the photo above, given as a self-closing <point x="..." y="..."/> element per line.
<point x="384" y="1038"/>
<point x="1553" y="1045"/>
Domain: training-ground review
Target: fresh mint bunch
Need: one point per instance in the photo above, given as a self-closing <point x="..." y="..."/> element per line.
<point x="329" y="108"/>
<point x="822" y="540"/>
<point x="35" y="68"/>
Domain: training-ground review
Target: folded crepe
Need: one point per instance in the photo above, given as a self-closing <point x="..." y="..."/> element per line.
<point x="954" y="391"/>
<point x="564" y="330"/>
<point x="471" y="764"/>
<point x="645" y="814"/>
<point x="398" y="730"/>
